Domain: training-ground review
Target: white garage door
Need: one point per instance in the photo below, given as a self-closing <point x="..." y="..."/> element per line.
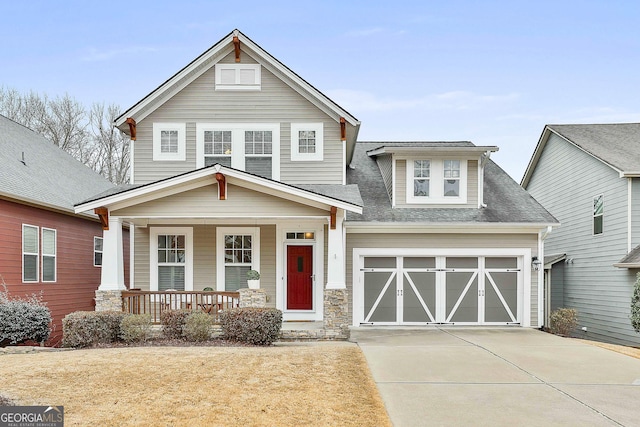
<point x="443" y="290"/>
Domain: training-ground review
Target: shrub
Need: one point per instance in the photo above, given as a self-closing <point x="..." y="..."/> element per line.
<point x="563" y="321"/>
<point x="635" y="305"/>
<point x="23" y="319"/>
<point x="197" y="327"/>
<point x="258" y="326"/>
<point x="173" y="322"/>
<point x="135" y="327"/>
<point x="87" y="328"/>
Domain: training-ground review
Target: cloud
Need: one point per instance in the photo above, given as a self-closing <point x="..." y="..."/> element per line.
<point x="365" y="32"/>
<point x="96" y="55"/>
<point x="453" y="100"/>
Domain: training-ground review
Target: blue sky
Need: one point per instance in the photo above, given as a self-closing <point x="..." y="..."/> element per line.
<point x="491" y="72"/>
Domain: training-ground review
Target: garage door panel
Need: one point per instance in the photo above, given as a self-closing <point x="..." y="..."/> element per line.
<point x="462" y="297"/>
<point x="419" y="297"/>
<point x="380" y="299"/>
<point x="501" y="297"/>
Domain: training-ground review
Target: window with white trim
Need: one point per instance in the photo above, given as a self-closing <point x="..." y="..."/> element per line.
<point x="30" y="253"/>
<point x="436" y="181"/>
<point x="49" y="270"/>
<point x="307" y="141"/>
<point x="251" y="147"/>
<point x="171" y="258"/>
<point x="97" y="251"/>
<point x="598" y="214"/>
<point x="238" y="252"/>
<point x="238" y="76"/>
<point x="169" y="141"/>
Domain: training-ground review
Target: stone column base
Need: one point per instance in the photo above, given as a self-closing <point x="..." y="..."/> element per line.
<point x="108" y="300"/>
<point x="336" y="314"/>
<point x="253" y="298"/>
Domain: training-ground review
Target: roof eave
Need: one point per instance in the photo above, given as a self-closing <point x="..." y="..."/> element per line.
<point x="409" y="149"/>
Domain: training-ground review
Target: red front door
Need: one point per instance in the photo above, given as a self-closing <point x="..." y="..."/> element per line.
<point x="299" y="277"/>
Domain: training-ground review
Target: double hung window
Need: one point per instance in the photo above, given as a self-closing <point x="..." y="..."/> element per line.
<point x="97" y="251"/>
<point x="217" y="147"/>
<point x="30" y="253"/>
<point x="598" y="214"/>
<point x="238" y="252"/>
<point x="171" y="260"/>
<point x="48" y="255"/>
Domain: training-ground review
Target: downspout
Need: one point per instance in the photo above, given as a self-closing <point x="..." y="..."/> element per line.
<point x="542" y="235"/>
<point x="483" y="161"/>
<point x="629" y="213"/>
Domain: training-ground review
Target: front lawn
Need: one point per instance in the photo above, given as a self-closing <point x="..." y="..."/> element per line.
<point x="297" y="384"/>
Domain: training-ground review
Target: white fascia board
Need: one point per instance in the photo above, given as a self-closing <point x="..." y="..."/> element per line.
<point x="433" y="227"/>
<point x="408" y="150"/>
<point x="200" y="178"/>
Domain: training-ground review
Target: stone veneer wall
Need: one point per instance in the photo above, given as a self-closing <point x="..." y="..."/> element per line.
<point x="253" y="298"/>
<point x="108" y="300"/>
<point x="336" y="314"/>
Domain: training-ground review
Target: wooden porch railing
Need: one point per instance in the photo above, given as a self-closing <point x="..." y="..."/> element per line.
<point x="156" y="302"/>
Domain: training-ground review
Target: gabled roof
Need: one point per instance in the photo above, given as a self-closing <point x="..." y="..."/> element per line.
<point x="208" y="59"/>
<point x="34" y="170"/>
<point x="507" y="202"/>
<point x="615" y="144"/>
<point x="344" y="197"/>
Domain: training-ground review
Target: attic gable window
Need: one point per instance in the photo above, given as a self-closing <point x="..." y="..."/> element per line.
<point x="598" y="214"/>
<point x="307" y="141"/>
<point x="436" y="181"/>
<point x="238" y="76"/>
<point x="169" y="141"/>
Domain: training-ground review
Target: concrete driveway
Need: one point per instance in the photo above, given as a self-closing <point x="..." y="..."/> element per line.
<point x="499" y="377"/>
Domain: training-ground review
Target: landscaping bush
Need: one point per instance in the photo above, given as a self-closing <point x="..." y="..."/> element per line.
<point x="87" y="328"/>
<point x="563" y="321"/>
<point x="173" y="322"/>
<point x="197" y="327"/>
<point x="135" y="327"/>
<point x="635" y="305"/>
<point x="23" y="319"/>
<point x="258" y="326"/>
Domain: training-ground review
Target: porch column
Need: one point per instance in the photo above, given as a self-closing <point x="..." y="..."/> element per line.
<point x="335" y="254"/>
<point x="112" y="278"/>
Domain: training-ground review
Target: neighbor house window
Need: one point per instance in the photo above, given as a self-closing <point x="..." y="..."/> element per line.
<point x="598" y="214"/>
<point x="169" y="141"/>
<point x="254" y="148"/>
<point x="307" y="141"/>
<point x="171" y="259"/>
<point x="97" y="251"/>
<point x="239" y="252"/>
<point x="238" y="76"/>
<point x="49" y="255"/>
<point x="436" y="181"/>
<point x="30" y="253"/>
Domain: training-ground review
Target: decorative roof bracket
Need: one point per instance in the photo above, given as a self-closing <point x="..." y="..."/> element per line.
<point x="343" y="129"/>
<point x="103" y="214"/>
<point x="132" y="127"/>
<point x="222" y="186"/>
<point x="334" y="211"/>
<point x="236" y="45"/>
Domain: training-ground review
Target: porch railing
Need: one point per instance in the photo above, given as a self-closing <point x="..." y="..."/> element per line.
<point x="157" y="302"/>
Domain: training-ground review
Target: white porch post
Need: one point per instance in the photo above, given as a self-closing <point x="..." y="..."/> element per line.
<point x="335" y="255"/>
<point x="112" y="278"/>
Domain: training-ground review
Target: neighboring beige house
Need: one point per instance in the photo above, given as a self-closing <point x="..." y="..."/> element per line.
<point x="238" y="163"/>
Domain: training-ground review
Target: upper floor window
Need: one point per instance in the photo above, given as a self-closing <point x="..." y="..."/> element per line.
<point x="598" y="214"/>
<point x="238" y="76"/>
<point x="169" y="141"/>
<point x="436" y="181"/>
<point x="253" y="148"/>
<point x="307" y="141"/>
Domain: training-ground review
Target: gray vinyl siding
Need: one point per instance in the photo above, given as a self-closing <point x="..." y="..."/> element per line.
<point x="401" y="187"/>
<point x="557" y="286"/>
<point x="276" y="102"/>
<point x="204" y="258"/>
<point x="204" y="201"/>
<point x="467" y="241"/>
<point x="565" y="181"/>
<point x="385" y="163"/>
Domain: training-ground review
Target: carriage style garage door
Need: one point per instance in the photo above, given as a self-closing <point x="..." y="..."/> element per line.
<point x="479" y="290"/>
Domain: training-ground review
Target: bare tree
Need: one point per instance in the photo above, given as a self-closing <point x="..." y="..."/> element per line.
<point x="89" y="136"/>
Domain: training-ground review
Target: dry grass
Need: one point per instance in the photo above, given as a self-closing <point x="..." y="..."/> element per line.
<point x="216" y="386"/>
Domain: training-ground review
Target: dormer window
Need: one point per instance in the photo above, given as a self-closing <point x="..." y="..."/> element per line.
<point x="436" y="181"/>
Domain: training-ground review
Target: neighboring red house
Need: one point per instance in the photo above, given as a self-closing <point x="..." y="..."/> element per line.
<point x="45" y="247"/>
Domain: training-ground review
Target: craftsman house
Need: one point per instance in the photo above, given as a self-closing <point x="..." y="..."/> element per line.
<point x="44" y="246"/>
<point x="587" y="176"/>
<point x="239" y="164"/>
